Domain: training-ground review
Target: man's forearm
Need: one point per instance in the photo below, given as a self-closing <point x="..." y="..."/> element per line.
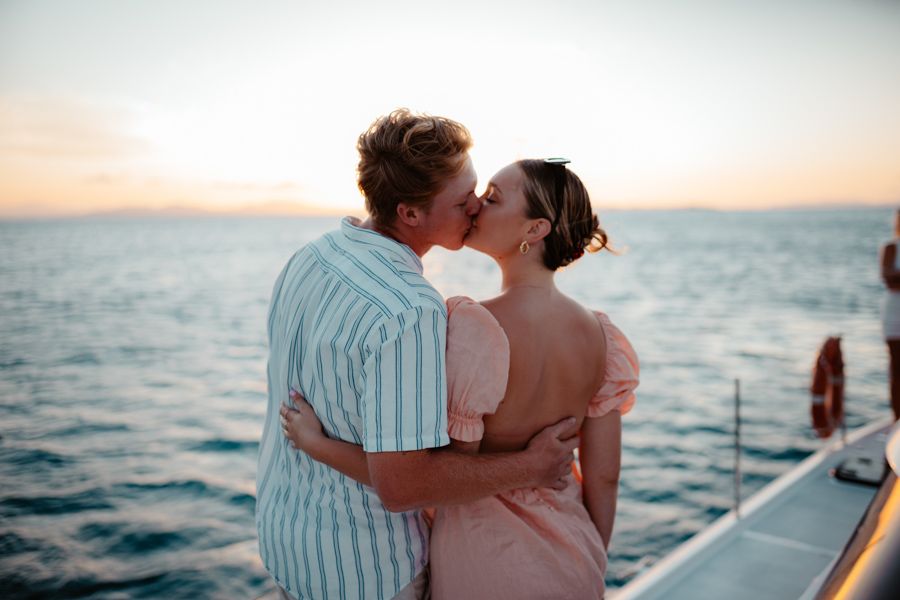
<point x="410" y="480"/>
<point x="443" y="477"/>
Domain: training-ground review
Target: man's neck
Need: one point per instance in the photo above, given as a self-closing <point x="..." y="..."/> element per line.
<point x="399" y="234"/>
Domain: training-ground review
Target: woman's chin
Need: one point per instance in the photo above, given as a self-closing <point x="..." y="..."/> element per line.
<point x="474" y="245"/>
<point x="470" y="242"/>
<point x="475" y="240"/>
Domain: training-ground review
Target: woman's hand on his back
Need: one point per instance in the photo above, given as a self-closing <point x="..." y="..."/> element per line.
<point x="301" y="426"/>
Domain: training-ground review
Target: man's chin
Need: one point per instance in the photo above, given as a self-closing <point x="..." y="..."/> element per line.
<point x="456" y="244"/>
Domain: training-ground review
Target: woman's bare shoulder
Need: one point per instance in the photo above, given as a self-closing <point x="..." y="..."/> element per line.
<point x="502" y="308"/>
<point x="587" y="316"/>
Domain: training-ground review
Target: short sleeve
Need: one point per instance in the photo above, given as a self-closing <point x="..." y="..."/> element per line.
<point x="477" y="367"/>
<point x="405" y="394"/>
<point x="622" y="373"/>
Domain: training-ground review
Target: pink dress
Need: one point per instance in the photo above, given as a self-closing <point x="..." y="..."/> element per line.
<point x="528" y="543"/>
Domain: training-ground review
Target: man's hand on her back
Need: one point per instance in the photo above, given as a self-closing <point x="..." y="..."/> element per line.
<point x="551" y="453"/>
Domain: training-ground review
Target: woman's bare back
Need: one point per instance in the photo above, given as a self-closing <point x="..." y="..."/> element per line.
<point x="557" y="363"/>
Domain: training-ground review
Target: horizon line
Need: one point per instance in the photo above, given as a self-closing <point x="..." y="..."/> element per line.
<point x="188" y="212"/>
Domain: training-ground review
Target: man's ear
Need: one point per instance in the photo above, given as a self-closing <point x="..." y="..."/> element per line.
<point x="537" y="230"/>
<point x="409" y="215"/>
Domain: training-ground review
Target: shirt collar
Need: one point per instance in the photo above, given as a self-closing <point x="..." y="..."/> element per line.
<point x="352" y="231"/>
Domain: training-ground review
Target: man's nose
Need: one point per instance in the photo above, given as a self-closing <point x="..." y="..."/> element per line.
<point x="474" y="207"/>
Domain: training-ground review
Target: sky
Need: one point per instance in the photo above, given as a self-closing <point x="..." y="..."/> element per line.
<point x="256" y="106"/>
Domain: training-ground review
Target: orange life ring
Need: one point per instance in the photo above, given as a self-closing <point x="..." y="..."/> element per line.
<point x="827" y="389"/>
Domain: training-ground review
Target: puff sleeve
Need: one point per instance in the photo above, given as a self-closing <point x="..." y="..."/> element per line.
<point x="477" y="367"/>
<point x="622" y="373"/>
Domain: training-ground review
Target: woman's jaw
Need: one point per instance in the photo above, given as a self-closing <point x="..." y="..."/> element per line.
<point x="499" y="227"/>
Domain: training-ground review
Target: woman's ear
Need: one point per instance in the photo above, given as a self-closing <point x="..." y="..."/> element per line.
<point x="408" y="215"/>
<point x="537" y="230"/>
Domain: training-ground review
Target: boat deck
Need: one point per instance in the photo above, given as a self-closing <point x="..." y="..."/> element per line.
<point x="788" y="535"/>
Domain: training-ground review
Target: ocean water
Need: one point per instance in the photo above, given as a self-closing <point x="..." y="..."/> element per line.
<point x="132" y="380"/>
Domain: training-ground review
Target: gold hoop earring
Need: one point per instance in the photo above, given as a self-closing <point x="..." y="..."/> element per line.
<point x="524" y="247"/>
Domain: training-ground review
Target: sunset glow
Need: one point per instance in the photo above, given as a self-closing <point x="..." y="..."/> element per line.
<point x="232" y="106"/>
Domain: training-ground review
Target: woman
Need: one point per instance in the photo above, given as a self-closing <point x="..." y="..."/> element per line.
<point x="515" y="363"/>
<point x="890" y="273"/>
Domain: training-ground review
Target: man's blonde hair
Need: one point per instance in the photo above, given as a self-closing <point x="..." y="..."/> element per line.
<point x="407" y="158"/>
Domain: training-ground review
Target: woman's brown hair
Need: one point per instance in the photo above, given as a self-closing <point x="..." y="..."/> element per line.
<point x="574" y="226"/>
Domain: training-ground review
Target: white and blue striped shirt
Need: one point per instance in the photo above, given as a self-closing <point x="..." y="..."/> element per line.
<point x="356" y="329"/>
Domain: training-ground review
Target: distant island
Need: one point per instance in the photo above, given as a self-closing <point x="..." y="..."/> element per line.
<point x="265" y="209"/>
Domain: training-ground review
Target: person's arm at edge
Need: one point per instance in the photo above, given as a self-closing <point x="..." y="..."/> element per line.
<point x="600" y="455"/>
<point x="889" y="273"/>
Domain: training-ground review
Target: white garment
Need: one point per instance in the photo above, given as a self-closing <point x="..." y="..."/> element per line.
<point x="890" y="306"/>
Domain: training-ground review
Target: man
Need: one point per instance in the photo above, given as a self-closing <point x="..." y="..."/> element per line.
<point x="356" y="328"/>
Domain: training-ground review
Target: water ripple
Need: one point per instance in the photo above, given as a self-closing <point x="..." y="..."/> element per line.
<point x="129" y="538"/>
<point x="94" y="499"/>
<point x="81" y="358"/>
<point x="32" y="458"/>
<point x="84" y="429"/>
<point x="13" y="543"/>
<point x="12" y="364"/>
<point x="225" y="445"/>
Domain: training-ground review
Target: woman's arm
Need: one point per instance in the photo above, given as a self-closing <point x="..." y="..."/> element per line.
<point x="600" y="455"/>
<point x="304" y="430"/>
<point x="889" y="273"/>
